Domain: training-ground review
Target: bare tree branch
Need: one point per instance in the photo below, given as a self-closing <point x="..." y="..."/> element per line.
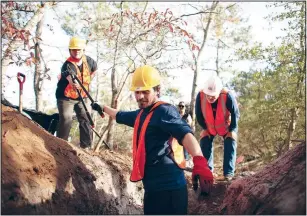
<point x="200" y="12"/>
<point x="140" y="54"/>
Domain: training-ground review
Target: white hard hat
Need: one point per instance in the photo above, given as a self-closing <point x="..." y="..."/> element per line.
<point x="213" y="86"/>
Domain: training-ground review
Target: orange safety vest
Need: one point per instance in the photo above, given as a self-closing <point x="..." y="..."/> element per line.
<point x="220" y="124"/>
<point x="139" y="151"/>
<point x="84" y="77"/>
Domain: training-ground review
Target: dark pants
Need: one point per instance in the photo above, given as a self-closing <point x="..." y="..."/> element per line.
<point x="66" y="108"/>
<point x="166" y="202"/>
<point x="230" y="147"/>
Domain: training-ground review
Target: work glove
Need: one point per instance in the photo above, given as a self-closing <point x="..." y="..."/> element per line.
<point x="95" y="106"/>
<point x="202" y="174"/>
<point x="232" y="135"/>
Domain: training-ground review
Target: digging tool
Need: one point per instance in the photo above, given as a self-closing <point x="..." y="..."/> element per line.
<point x="21" y="79"/>
<point x="75" y="78"/>
<point x="100" y="111"/>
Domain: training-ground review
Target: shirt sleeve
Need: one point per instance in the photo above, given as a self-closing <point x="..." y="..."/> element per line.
<point x="199" y="116"/>
<point x="64" y="69"/>
<point x="127" y="117"/>
<point x="232" y="106"/>
<point x="92" y="63"/>
<point x="172" y="123"/>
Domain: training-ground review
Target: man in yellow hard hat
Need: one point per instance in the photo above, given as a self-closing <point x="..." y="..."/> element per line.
<point x="155" y="125"/>
<point x="68" y="100"/>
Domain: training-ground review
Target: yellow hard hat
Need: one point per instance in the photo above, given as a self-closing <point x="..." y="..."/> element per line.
<point x="145" y="78"/>
<point x="77" y="43"/>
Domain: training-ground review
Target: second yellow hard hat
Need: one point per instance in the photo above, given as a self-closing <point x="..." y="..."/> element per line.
<point x="77" y="43"/>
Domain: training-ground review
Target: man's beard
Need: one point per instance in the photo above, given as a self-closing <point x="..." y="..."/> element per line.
<point x="142" y="103"/>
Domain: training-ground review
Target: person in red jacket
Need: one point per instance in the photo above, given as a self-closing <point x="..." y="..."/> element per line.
<point x="217" y="113"/>
<point x="68" y="100"/>
<point x="155" y="123"/>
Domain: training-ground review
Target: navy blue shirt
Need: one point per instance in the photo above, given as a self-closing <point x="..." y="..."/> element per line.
<point x="231" y="105"/>
<point x="164" y="123"/>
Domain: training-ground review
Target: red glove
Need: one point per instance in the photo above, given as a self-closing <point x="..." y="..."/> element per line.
<point x="202" y="173"/>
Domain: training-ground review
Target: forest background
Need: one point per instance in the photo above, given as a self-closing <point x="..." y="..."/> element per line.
<point x="257" y="48"/>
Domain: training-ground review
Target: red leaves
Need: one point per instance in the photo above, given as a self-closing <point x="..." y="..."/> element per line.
<point x="195" y="47"/>
<point x="154" y="15"/>
<point x="170" y="27"/>
<point x="192" y="44"/>
<point x="149" y="19"/>
<point x="185" y="33"/>
<point x="11" y="4"/>
<point x="21" y="36"/>
<point x="12" y="31"/>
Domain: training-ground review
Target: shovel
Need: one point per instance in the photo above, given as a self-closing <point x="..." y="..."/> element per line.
<point x="21" y="79"/>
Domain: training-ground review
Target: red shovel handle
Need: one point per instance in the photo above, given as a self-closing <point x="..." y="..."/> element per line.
<point x="21" y="79"/>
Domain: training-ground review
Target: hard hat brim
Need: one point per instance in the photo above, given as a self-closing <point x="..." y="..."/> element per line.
<point x="140" y="88"/>
<point x="210" y="93"/>
<point x="73" y="47"/>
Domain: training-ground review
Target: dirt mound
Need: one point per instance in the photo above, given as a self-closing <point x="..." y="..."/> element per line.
<point x="42" y="174"/>
<point x="279" y="188"/>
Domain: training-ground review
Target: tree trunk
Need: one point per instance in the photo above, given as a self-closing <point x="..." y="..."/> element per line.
<point x="111" y="124"/>
<point x="15" y="43"/>
<point x="38" y="73"/>
<point x="113" y="84"/>
<point x="291" y="128"/>
<point x="113" y="105"/>
<point x="299" y="86"/>
<point x="217" y="58"/>
<point x="97" y="95"/>
<point x="197" y="68"/>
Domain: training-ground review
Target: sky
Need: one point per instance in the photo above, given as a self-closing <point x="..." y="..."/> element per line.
<point x="55" y="57"/>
